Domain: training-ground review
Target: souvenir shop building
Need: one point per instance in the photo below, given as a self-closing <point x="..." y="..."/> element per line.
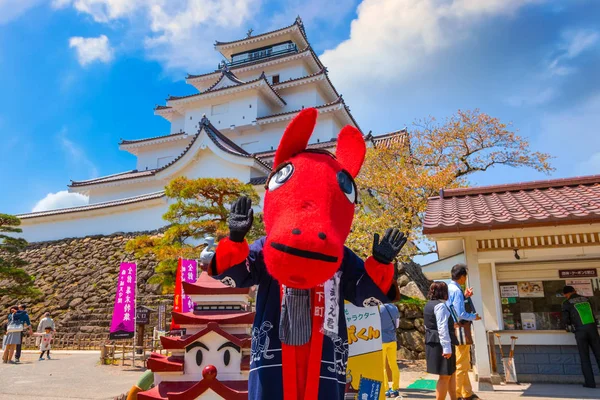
<point x="522" y="243"/>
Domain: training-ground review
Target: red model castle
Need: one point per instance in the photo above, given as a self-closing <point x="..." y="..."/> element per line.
<point x="212" y="360"/>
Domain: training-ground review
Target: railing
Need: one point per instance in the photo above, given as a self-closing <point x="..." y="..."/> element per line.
<point x="70" y="341"/>
<point x="262" y="54"/>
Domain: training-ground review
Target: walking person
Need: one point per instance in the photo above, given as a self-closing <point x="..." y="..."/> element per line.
<point x="456" y="301"/>
<point x="14" y="331"/>
<point x="45" y="342"/>
<point x="390" y="320"/>
<point x="23" y="317"/>
<point x="578" y="318"/>
<point x="44" y="323"/>
<point x="440" y="341"/>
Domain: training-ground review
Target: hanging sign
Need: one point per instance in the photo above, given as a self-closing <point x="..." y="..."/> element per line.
<point x="123" y="318"/>
<point x="162" y="309"/>
<point x="365" y="356"/>
<point x="578" y="273"/>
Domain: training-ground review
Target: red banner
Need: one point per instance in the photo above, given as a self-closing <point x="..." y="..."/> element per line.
<point x="177" y="301"/>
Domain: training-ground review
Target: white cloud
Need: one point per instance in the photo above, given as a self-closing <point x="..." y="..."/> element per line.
<point x="92" y="49"/>
<point x="13" y="9"/>
<point x="75" y="154"/>
<point x="389" y="37"/>
<point x="62" y="199"/>
<point x="172" y="28"/>
<point x="532" y="98"/>
<point x="573" y="43"/>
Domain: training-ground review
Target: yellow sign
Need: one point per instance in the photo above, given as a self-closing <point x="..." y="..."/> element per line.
<point x="365" y="357"/>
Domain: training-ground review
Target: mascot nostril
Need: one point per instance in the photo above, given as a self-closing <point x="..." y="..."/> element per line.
<point x="304" y="271"/>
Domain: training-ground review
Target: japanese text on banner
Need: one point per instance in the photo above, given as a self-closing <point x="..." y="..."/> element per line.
<point x="123" y="319"/>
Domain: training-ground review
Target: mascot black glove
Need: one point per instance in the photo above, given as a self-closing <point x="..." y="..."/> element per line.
<point x="392" y="242"/>
<point x="240" y="219"/>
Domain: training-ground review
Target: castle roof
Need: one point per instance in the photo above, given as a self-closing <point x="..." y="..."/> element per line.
<point x="281" y="58"/>
<point x="221" y="316"/>
<point x="294" y="31"/>
<point x="235" y="86"/>
<point x="95" y="206"/>
<point x="220" y="140"/>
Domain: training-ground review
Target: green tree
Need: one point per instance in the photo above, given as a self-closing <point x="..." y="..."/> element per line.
<point x="14" y="281"/>
<point x="398" y="178"/>
<point x="200" y="207"/>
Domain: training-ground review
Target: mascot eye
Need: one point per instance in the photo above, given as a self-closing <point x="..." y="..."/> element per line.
<point x="199" y="357"/>
<point x="281" y="176"/>
<point x="226" y="357"/>
<point x="347" y="185"/>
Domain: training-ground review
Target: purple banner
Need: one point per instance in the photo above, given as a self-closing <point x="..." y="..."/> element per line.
<point x="123" y="319"/>
<point x="189" y="274"/>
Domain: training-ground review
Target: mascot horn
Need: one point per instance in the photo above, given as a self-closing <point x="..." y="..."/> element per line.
<point x="303" y="270"/>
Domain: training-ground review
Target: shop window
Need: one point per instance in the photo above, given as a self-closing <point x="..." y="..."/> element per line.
<point x="537" y="305"/>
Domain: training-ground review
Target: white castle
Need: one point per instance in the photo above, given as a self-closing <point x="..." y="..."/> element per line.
<point x="230" y="128"/>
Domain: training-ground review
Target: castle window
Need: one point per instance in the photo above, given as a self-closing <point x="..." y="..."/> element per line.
<point x="275" y="79"/>
<point x="219" y="109"/>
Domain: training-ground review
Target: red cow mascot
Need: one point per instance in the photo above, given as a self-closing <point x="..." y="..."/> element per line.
<point x="302" y="269"/>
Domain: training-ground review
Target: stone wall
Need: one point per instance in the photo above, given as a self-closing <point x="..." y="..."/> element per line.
<point x="78" y="278"/>
<point x="411" y="333"/>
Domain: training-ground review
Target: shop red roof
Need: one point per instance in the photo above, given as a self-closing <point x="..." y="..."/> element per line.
<point x="207" y="285"/>
<point x="181" y="342"/>
<point x="162" y="363"/>
<point x="220" y="316"/>
<point x="520" y="205"/>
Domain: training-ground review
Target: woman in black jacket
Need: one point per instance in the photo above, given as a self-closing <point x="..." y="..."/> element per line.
<point x="440" y="340"/>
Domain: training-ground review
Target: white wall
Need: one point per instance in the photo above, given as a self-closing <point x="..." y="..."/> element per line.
<point x="286" y="71"/>
<point x="209" y="165"/>
<point x="119" y="219"/>
<point x="178" y="125"/>
<point x="124" y="190"/>
<point x="148" y="156"/>
<point x="241" y="110"/>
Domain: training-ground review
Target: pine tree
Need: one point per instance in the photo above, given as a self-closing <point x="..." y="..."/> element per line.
<point x="14" y="281"/>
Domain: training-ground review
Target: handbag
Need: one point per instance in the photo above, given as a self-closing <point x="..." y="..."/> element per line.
<point x="15" y="326"/>
<point x="462" y="329"/>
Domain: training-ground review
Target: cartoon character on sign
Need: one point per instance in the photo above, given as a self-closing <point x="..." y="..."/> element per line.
<point x="303" y="270"/>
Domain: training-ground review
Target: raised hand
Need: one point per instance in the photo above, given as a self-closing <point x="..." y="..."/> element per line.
<point x="240" y="219"/>
<point x="386" y="250"/>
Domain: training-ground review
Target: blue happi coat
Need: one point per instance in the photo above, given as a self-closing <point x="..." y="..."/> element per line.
<point x="265" y="381"/>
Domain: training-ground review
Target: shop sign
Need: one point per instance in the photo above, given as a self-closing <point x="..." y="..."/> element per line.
<point x="509" y="291"/>
<point x="578" y="273"/>
<point x="583" y="287"/>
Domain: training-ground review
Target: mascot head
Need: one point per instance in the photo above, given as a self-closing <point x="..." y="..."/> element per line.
<point x="309" y="204"/>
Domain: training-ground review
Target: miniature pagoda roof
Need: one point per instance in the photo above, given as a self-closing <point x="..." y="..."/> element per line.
<point x="220" y="140"/>
<point x="221" y="316"/>
<point x="230" y="390"/>
<point x="181" y="342"/>
<point x="206" y="285"/>
<point x="162" y="363"/>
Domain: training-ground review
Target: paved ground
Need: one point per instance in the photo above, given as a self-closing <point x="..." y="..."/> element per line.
<point x="69" y="375"/>
<point x="77" y="375"/>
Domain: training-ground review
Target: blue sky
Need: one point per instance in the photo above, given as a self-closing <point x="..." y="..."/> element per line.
<point x="78" y="75"/>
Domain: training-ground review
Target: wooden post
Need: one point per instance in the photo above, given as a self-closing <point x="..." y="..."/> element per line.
<point x="123" y="356"/>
